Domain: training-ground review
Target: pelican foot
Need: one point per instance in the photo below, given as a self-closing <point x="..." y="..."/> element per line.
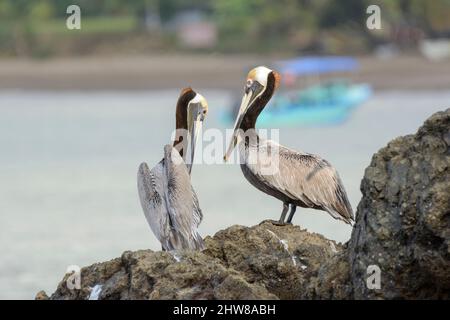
<point x="279" y="223"/>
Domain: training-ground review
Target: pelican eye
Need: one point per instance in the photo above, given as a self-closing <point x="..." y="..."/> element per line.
<point x="249" y="83"/>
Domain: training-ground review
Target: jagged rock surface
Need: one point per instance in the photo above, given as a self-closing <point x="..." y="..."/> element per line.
<point x="402" y="226"/>
<point x="261" y="262"/>
<point x="403" y="220"/>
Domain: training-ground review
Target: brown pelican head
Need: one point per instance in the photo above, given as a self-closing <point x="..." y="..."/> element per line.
<point x="191" y="111"/>
<point x="259" y="87"/>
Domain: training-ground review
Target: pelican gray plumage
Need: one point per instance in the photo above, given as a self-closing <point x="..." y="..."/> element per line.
<point x="167" y="197"/>
<point x="294" y="177"/>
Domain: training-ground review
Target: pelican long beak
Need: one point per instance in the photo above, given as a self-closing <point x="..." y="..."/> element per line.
<point x="250" y="95"/>
<point x="240" y="116"/>
<point x="194" y="126"/>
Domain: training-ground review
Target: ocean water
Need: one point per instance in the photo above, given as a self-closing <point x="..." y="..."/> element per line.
<point x="68" y="164"/>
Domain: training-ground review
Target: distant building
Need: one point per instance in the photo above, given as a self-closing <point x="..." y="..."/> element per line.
<point x="194" y="30"/>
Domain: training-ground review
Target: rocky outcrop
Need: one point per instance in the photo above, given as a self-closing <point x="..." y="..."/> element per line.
<point x="261" y="262"/>
<point x="403" y="219"/>
<point x="402" y="228"/>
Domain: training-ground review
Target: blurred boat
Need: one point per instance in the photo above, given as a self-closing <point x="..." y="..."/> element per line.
<point x="329" y="102"/>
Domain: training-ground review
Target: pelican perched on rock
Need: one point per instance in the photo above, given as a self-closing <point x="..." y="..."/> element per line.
<point x="168" y="200"/>
<point x="296" y="178"/>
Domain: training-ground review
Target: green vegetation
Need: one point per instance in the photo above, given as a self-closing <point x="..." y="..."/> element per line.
<point x="37" y="27"/>
<point x="91" y="25"/>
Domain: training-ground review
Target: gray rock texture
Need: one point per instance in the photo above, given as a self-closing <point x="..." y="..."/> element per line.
<point x="402" y="226"/>
<point x="403" y="219"/>
<point x="261" y="262"/>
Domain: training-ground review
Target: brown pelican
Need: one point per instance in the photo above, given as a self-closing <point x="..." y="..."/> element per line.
<point x="299" y="179"/>
<point x="168" y="200"/>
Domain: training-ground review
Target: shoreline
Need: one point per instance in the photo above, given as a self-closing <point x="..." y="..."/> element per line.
<point x="159" y="72"/>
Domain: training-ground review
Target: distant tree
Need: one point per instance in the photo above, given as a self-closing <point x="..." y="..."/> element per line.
<point x="343" y="13"/>
<point x="6" y="9"/>
<point x="41" y="10"/>
<point x="437" y="17"/>
<point x="266" y="22"/>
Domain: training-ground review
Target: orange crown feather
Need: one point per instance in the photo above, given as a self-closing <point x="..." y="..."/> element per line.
<point x="277" y="77"/>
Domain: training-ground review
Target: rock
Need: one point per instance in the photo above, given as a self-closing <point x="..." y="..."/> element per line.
<point x="41" y="295"/>
<point x="281" y="258"/>
<point x="261" y="262"/>
<point x="332" y="280"/>
<point x="403" y="219"/>
<point x="402" y="226"/>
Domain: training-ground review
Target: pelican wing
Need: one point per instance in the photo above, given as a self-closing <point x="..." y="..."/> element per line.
<point x="197" y="242"/>
<point x="151" y="194"/>
<point x="169" y="202"/>
<point x="180" y="198"/>
<point x="198" y="214"/>
<point x="304" y="177"/>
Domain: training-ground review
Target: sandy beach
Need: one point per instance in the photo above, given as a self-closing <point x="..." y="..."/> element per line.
<point x="212" y="71"/>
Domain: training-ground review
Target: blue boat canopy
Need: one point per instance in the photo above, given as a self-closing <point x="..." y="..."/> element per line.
<point x="317" y="65"/>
